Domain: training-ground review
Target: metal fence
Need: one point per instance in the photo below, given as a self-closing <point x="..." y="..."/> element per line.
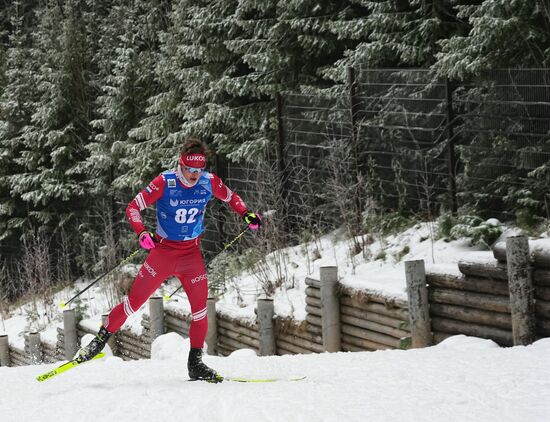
<point x="405" y="140"/>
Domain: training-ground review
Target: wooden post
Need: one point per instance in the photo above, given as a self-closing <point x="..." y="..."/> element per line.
<point x="419" y="311"/>
<point x="330" y="309"/>
<point x="4" y="351"/>
<point x="520" y="283"/>
<point x="212" y="335"/>
<point x="70" y="335"/>
<point x="156" y="317"/>
<point x="35" y="348"/>
<point x="266" y="311"/>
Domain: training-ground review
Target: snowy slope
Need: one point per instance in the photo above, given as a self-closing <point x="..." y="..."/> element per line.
<point x="461" y="379"/>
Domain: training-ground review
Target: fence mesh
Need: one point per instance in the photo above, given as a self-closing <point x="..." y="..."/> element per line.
<point x="404" y="140"/>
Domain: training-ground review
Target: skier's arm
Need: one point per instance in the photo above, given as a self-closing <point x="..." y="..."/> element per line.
<point x="149" y="195"/>
<point x="222" y="192"/>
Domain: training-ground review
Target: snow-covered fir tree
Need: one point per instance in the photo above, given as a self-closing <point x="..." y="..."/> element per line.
<point x="55" y="140"/>
<point x="503" y="34"/>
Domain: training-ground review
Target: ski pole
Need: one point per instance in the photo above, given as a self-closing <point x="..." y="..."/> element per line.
<point x="124" y="261"/>
<point x="235" y="239"/>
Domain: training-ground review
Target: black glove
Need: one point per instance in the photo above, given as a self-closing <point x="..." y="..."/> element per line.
<point x="253" y="220"/>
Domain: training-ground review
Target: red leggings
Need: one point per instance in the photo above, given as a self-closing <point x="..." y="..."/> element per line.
<point x="164" y="261"/>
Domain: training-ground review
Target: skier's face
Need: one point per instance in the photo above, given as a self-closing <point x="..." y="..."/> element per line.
<point x="192" y="175"/>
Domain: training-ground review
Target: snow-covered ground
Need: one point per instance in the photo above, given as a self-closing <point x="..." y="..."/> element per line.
<point x="461" y="379"/>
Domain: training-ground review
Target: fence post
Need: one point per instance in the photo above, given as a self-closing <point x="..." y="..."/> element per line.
<point x="266" y="330"/>
<point x="70" y="337"/>
<point x="281" y="163"/>
<point x="4" y="350"/>
<point x="156" y="317"/>
<point x="35" y="348"/>
<point x="330" y="309"/>
<point x="419" y="311"/>
<point x="451" y="157"/>
<point x="212" y="335"/>
<point x="520" y="284"/>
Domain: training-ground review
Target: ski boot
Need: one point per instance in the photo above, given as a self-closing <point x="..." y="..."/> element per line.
<point x="198" y="370"/>
<point x="94" y="347"/>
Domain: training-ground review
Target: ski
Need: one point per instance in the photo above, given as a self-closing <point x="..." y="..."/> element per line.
<point x="241" y="379"/>
<point x="65" y="367"/>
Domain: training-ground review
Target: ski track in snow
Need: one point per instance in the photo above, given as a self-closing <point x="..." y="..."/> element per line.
<point x="462" y="379"/>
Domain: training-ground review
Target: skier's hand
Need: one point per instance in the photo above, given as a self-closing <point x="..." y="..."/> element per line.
<point x="253" y="220"/>
<point x="146" y="240"/>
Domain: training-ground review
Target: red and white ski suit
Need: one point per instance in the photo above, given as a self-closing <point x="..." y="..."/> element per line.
<point x="180" y="224"/>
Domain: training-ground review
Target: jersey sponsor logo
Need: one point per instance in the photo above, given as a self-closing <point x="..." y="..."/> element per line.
<point x="152" y="187"/>
<point x="199" y="278"/>
<point x="174" y="202"/>
<point x="171" y="183"/>
<point x="190" y="201"/>
<point x="149" y="269"/>
<point x="163" y="215"/>
<point x="198" y="158"/>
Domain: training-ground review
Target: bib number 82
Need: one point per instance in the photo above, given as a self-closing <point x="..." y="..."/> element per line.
<point x="184" y="215"/>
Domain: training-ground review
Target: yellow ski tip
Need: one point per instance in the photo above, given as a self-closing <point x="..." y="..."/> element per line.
<point x="62" y="305"/>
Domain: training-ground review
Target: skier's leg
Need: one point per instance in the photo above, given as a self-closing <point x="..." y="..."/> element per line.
<point x="195" y="282"/>
<point x="150" y="276"/>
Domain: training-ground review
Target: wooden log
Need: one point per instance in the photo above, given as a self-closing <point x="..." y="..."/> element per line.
<point x="69" y="335"/>
<point x="374" y="326"/>
<point x="236" y="345"/>
<point x="371" y="336"/>
<point x="313" y="301"/>
<point x="476" y="316"/>
<point x="543" y="328"/>
<point x="439" y="337"/>
<point x="238" y="328"/>
<point x="304" y="344"/>
<point x="313" y="320"/>
<point x="360" y="297"/>
<point x="540" y="254"/>
<point x="363" y="343"/>
<point x="542" y="309"/>
<point x="542" y="293"/>
<point x="472" y="284"/>
<point x="156" y="317"/>
<point x="394" y="312"/>
<point x="351" y="348"/>
<point x="311" y="282"/>
<point x="450" y="326"/>
<point x="292" y="347"/>
<point x="303" y="335"/>
<point x="249" y="341"/>
<point x="122" y="341"/>
<point x="492" y="271"/>
<point x="223" y="351"/>
<point x="313" y="292"/>
<point x="541" y="277"/>
<point x="472" y="300"/>
<point x="313" y="310"/>
<point x="236" y="322"/>
<point x="374" y="317"/>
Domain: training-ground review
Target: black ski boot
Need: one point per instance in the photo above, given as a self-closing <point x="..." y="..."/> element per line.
<point x="94" y="347"/>
<point x="198" y="370"/>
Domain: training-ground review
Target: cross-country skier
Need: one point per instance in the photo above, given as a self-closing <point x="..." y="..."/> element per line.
<point x="181" y="196"/>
